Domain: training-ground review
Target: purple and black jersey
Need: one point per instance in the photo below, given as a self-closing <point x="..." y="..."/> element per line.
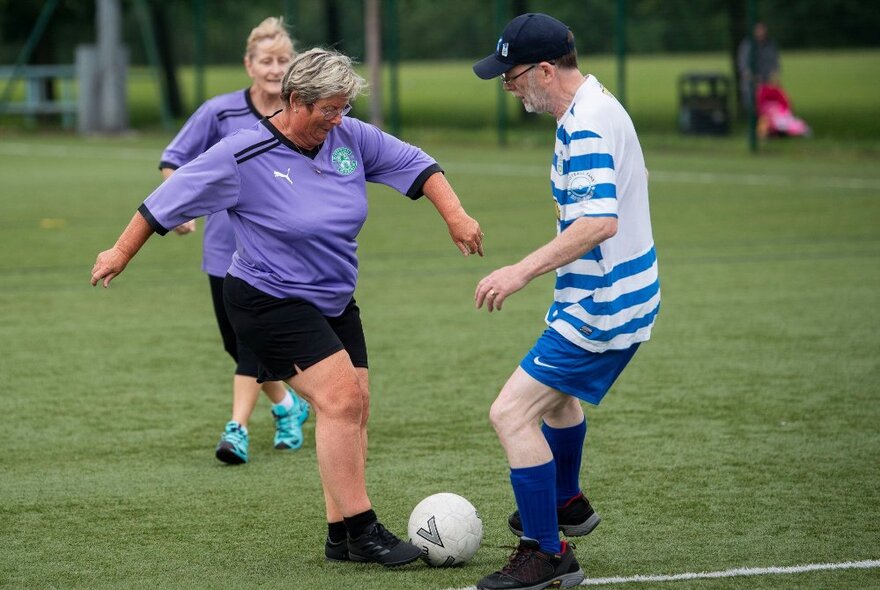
<point x="214" y="120"/>
<point x="295" y="219"/>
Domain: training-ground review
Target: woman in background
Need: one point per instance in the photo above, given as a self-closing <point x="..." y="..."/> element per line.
<point x="268" y="53"/>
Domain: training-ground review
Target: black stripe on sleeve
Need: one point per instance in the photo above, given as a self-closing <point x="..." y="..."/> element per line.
<point x="169" y="165"/>
<point x="255" y="146"/>
<point x="242" y="112"/>
<point x="245" y="158"/>
<point x="157" y="227"/>
<point x="415" y="190"/>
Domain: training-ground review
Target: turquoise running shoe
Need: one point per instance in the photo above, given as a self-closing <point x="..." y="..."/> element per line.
<point x="233" y="447"/>
<point x="288" y="425"/>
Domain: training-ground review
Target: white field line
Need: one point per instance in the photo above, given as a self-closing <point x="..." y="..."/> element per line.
<point x="736" y="572"/>
<point x="659" y="176"/>
<point x="731" y="573"/>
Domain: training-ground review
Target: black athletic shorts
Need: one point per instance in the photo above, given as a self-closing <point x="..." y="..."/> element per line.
<point x="246" y="362"/>
<point x="287" y="334"/>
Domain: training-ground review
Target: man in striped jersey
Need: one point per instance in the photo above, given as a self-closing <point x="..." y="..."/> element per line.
<point x="606" y="298"/>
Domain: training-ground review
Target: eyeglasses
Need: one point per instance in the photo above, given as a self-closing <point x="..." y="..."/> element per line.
<point x="508" y="81"/>
<point x="331" y="113"/>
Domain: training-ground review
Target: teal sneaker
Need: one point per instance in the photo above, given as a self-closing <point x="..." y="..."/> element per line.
<point x="288" y="425"/>
<point x="233" y="447"/>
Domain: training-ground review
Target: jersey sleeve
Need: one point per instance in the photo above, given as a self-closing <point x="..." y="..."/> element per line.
<point x="206" y="185"/>
<point x="394" y="163"/>
<point x="199" y="133"/>
<point x="589" y="176"/>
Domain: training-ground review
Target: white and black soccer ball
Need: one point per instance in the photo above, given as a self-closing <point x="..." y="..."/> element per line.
<point x="447" y="528"/>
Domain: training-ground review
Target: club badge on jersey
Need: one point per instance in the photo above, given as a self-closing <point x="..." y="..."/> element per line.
<point x="344" y="160"/>
<point x="580" y="186"/>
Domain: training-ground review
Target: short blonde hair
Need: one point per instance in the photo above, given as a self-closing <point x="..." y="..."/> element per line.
<point x="321" y="73"/>
<point x="271" y="29"/>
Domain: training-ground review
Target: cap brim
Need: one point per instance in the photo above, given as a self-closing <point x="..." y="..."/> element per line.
<point x="491" y="67"/>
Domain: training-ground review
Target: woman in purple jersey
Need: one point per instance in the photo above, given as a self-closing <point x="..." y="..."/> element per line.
<point x="294" y="186"/>
<point x="267" y="55"/>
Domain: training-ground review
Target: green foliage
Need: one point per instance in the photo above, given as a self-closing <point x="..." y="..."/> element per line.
<point x="743" y="435"/>
<point x="452" y="29"/>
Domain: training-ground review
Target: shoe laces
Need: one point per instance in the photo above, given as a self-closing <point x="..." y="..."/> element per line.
<point x="235" y="435"/>
<point x="284" y="421"/>
<point x="387" y="537"/>
<point x="517" y="559"/>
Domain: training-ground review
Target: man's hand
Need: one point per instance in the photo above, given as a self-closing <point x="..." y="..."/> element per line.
<point x="498" y="285"/>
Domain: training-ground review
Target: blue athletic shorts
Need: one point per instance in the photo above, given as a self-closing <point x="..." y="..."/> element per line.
<point x="557" y="363"/>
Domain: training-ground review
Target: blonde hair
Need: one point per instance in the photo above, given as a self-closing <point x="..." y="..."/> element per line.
<point x="271" y="29"/>
<point x="321" y="73"/>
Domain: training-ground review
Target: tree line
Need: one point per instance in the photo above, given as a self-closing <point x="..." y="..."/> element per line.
<point x="438" y="29"/>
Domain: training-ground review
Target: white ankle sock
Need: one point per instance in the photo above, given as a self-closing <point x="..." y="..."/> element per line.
<point x="287" y="402"/>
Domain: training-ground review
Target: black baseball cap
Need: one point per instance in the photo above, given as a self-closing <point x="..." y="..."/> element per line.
<point x="527" y="39"/>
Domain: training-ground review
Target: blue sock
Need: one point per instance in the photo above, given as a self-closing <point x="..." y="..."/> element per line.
<point x="567" y="445"/>
<point x="535" y="491"/>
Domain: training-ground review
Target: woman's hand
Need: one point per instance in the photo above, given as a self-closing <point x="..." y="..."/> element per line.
<point x="466" y="234"/>
<point x="186" y="228"/>
<point x="108" y="264"/>
<point x="113" y="261"/>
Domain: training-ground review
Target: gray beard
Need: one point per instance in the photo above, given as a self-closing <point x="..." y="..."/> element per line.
<point x="535" y="104"/>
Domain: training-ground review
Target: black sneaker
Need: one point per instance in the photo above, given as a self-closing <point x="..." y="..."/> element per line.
<point x="529" y="568"/>
<point x="576" y="519"/>
<point x="336" y="551"/>
<point x="379" y="545"/>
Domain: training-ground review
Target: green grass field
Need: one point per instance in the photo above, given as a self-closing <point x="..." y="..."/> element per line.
<point x="744" y="435"/>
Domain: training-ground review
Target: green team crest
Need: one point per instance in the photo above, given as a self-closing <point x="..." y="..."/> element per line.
<point x="343" y="160"/>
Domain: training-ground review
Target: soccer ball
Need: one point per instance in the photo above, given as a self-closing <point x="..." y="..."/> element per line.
<point x="447" y="528"/>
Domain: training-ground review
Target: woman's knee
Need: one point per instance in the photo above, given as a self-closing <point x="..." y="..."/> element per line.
<point x="345" y="401"/>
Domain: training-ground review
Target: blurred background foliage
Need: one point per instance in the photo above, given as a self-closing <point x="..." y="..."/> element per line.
<point x="452" y="29"/>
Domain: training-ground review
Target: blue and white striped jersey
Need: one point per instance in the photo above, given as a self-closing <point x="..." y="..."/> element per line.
<point x="608" y="299"/>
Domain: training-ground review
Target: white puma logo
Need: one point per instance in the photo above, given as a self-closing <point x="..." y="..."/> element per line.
<point x="284" y="176"/>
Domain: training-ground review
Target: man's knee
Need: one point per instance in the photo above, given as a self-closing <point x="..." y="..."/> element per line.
<point x="506" y="417"/>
